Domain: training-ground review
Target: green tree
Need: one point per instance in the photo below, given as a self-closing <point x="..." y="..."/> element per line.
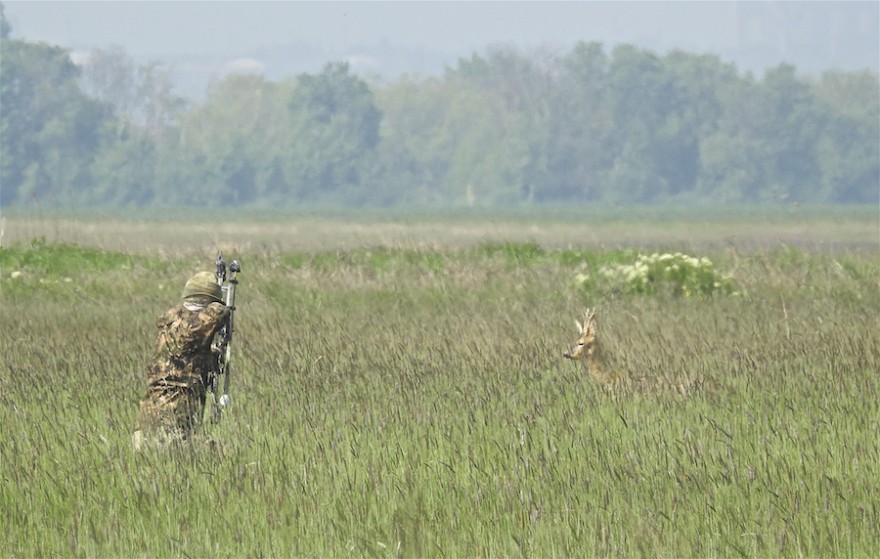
<point x="767" y="144"/>
<point x="156" y="107"/>
<point x="229" y="146"/>
<point x="51" y="132"/>
<point x="500" y="127"/>
<point x="513" y="142"/>
<point x="849" y="150"/>
<point x="789" y="125"/>
<point x="695" y="111"/>
<point x="125" y="170"/>
<point x="581" y="127"/>
<point x="641" y="98"/>
<point x="413" y="158"/>
<point x="109" y="76"/>
<point x="729" y="154"/>
<point x="5" y="28"/>
<point x="335" y="134"/>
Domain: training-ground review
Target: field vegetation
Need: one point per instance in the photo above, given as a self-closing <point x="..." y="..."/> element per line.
<point x="406" y="395"/>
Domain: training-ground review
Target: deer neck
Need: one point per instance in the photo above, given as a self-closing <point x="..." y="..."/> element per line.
<point x="600" y="370"/>
<point x="596" y="362"/>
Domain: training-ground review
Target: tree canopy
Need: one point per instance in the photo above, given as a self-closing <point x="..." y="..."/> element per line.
<point x="503" y="127"/>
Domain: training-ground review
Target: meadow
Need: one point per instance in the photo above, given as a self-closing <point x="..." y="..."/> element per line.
<point x="399" y="390"/>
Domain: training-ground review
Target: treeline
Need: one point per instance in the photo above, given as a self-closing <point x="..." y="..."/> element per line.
<point x="625" y="126"/>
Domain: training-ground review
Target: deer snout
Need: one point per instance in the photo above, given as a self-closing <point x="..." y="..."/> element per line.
<point x="575" y="352"/>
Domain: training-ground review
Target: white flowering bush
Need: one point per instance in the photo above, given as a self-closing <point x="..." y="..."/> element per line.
<point x="674" y="274"/>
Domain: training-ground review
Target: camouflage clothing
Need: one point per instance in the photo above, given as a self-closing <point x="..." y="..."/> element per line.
<point x="179" y="369"/>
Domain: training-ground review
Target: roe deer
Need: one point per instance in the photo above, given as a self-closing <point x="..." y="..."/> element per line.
<point x="587" y="348"/>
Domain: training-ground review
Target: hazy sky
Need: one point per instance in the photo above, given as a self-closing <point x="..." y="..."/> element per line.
<point x="202" y="40"/>
<point x="158" y="28"/>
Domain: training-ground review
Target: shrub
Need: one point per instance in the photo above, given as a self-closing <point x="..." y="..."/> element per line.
<point x="676" y="274"/>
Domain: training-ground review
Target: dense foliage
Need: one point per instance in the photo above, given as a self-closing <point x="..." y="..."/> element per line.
<point x="500" y="128"/>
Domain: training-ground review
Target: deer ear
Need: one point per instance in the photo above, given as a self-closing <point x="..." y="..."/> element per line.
<point x="591" y="324"/>
<point x="579" y="326"/>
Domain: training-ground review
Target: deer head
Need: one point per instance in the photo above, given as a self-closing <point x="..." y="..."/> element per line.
<point x="587" y="346"/>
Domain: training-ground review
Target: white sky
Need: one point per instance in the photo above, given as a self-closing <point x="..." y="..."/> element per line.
<point x="202" y="40"/>
<point x="212" y="27"/>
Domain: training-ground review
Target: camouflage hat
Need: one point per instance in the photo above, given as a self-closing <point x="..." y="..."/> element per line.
<point x="203" y="283"/>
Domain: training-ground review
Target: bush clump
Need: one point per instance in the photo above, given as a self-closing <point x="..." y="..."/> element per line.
<point x="676" y="274"/>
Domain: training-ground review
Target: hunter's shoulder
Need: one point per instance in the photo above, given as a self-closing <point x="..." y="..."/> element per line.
<point x="218" y="310"/>
<point x="172" y="314"/>
<point x="189" y="312"/>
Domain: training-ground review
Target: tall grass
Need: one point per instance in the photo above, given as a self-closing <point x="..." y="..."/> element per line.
<point x="413" y="402"/>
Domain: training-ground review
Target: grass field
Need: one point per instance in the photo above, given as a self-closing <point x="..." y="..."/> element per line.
<point x="399" y="390"/>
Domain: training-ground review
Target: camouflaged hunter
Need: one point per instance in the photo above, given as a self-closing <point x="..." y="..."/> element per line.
<point x="182" y="364"/>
